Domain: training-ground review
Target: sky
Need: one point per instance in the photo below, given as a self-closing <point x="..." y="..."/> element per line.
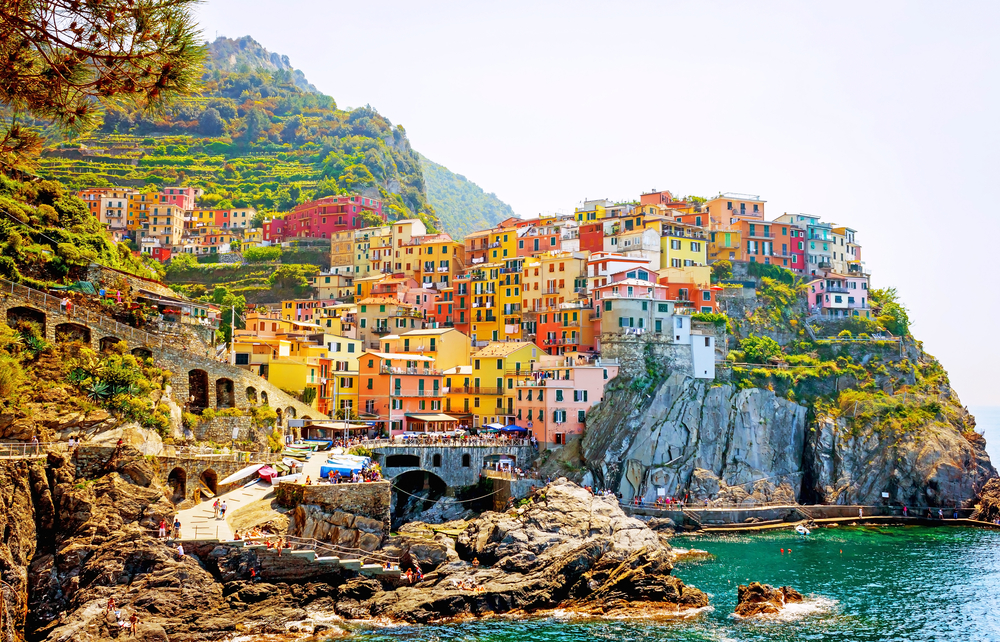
<point x="880" y="116"/>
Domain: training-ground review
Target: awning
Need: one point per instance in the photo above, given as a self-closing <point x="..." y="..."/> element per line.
<point x="429" y="417"/>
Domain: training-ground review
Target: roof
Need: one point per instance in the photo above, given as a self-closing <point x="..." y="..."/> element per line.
<point x="459" y="370"/>
<point x="383" y="300"/>
<point x="400" y="356"/>
<point x="502" y="349"/>
<point x="429" y="417"/>
<point x="428" y="331"/>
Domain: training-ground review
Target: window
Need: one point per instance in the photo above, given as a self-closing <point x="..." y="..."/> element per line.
<point x="607" y="306"/>
<point x="437" y="460"/>
<point x="559" y="395"/>
<point x="466" y="461"/>
<point x="581" y="415"/>
<point x="706" y="295"/>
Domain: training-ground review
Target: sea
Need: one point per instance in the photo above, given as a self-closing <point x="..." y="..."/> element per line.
<point x="862" y="584"/>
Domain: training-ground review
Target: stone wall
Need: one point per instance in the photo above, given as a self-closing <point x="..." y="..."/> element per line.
<point x="105" y="277"/>
<point x="352" y="515"/>
<point x="220" y="429"/>
<point x="447" y="462"/>
<point x="631" y="351"/>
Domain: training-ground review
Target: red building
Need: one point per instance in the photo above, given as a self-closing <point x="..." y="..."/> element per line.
<point x="182" y="197"/>
<point x="592" y="237"/>
<point x="161" y="254"/>
<point x="322" y="218"/>
<point x="274" y="230"/>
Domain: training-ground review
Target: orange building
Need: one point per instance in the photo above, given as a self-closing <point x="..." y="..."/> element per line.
<point x="402" y="392"/>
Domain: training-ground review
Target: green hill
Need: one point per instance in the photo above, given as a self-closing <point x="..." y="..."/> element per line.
<point x="461" y="205"/>
<point x="258" y="135"/>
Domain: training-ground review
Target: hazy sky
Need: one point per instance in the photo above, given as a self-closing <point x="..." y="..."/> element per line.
<point x="878" y="115"/>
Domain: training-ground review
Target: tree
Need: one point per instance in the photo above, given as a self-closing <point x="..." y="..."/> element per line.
<point x="210" y="122"/>
<point x="60" y="60"/>
<point x="357" y="178"/>
<point x="256" y="122"/>
<point x="759" y="349"/>
<point x="722" y="270"/>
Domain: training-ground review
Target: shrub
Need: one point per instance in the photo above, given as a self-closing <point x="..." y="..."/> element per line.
<point x="262" y="254"/>
<point x="759" y="349"/>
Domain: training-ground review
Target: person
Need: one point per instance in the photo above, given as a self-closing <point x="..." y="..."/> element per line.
<point x="63" y="303"/>
<point x="236" y="535"/>
<point x="281" y="545"/>
<point x="905" y="512"/>
<point x="111" y="605"/>
<point x="119" y="297"/>
<point x="133" y="621"/>
<point x="956" y="513"/>
<point x="308" y="480"/>
<point x="253" y="575"/>
<point x="861" y="511"/>
<point x="475" y="562"/>
<point x="177" y="527"/>
<point x="940" y="514"/>
<point x="180" y="551"/>
<point x="69" y="308"/>
<point x="215" y="507"/>
<point x="163" y="528"/>
<point x="222" y="509"/>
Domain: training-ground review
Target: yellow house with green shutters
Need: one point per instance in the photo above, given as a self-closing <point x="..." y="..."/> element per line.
<point x="682" y="245"/>
<point x="483" y="392"/>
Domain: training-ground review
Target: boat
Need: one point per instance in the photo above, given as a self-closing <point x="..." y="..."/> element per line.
<point x="206" y="493"/>
<point x="241" y="474"/>
<point x="287" y="478"/>
<point x="288" y="461"/>
<point x="801" y="530"/>
<point x="349" y="460"/>
<point x="251" y="482"/>
<point x="267" y="473"/>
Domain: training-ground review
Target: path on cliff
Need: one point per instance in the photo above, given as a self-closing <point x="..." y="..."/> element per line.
<point x="199" y="521"/>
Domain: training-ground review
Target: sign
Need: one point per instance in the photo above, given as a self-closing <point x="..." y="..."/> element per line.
<point x="236" y="432"/>
<point x="885" y="495"/>
<point x="660" y="492"/>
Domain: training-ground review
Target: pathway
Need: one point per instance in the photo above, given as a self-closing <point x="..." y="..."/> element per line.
<point x="199" y="521"/>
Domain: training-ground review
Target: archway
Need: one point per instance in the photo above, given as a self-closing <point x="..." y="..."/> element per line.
<point x="142" y="353"/>
<point x="263" y="397"/>
<point x="210" y="480"/>
<point x="436" y="460"/>
<point x="72" y="332"/>
<point x="225" y="393"/>
<point x="108" y="343"/>
<point x="197" y="391"/>
<point x="290" y="412"/>
<point x="413" y="492"/>
<point x="252" y="395"/>
<point x="466" y="460"/>
<point x="177" y="481"/>
<point x="402" y="461"/>
<point x="21" y="314"/>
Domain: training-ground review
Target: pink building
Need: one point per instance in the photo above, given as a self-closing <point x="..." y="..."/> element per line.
<point x="839" y="295"/>
<point x="553" y="399"/>
<point x="182" y="197"/>
<point x="320" y="219"/>
<point x="274" y="230"/>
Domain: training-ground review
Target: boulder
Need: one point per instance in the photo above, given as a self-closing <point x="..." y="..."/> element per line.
<point x="763" y="599"/>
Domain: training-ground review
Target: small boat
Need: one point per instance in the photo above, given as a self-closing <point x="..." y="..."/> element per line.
<point x="267" y="473"/>
<point x="801" y="530"/>
<point x="251" y="482"/>
<point x="206" y="493"/>
<point x="241" y="474"/>
<point x="288" y="461"/>
<point x="287" y="478"/>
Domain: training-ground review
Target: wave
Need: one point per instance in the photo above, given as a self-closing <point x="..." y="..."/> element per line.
<point x="809" y="607"/>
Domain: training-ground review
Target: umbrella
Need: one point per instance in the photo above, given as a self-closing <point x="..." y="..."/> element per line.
<point x="513" y="428"/>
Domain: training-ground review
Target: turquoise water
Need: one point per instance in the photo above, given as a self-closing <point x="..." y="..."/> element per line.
<point x="862" y="584"/>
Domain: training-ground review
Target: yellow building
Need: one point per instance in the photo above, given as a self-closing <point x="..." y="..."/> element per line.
<point x="596" y="210"/>
<point x="341" y="251"/>
<point x="251" y="238"/>
<point x="139" y="205"/>
<point x="725" y="245"/>
<point x="682" y="245"/>
<point x="553" y="278"/>
<point x="485" y="389"/>
<point x="438" y="260"/>
<point x="447" y="346"/>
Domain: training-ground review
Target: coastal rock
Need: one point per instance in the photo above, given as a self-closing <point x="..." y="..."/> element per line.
<point x="988" y="509"/>
<point x="763" y="599"/>
<point x="713" y="442"/>
<point x="567" y="549"/>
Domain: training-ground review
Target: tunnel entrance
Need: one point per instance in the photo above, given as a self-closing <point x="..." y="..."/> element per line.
<point x="413" y="492"/>
<point x="177" y="481"/>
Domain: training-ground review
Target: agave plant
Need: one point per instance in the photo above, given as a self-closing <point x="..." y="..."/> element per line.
<point x="98" y="390"/>
<point x="77" y="376"/>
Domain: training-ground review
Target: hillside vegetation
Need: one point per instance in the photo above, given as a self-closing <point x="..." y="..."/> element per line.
<point x="461" y="205"/>
<point x="258" y="135"/>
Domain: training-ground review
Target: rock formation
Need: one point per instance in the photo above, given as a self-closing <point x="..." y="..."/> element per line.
<point x="567" y="549"/>
<point x="763" y="599"/>
<point x="718" y="442"/>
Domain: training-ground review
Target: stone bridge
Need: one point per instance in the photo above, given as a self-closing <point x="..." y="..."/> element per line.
<point x="455" y="464"/>
<point x="198" y="382"/>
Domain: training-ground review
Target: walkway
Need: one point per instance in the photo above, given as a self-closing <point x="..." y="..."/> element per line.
<point x="199" y="521"/>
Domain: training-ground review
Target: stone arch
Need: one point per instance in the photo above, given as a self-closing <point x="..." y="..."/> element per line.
<point x="225" y="393"/>
<point x="73" y="332"/>
<point x="24" y="314"/>
<point x="402" y="461"/>
<point x="177" y="482"/>
<point x="197" y="391"/>
<point x="263" y="397"/>
<point x="436" y="460"/>
<point x="142" y="352"/>
<point x="290" y="412"/>
<point x="209" y="479"/>
<point x="280" y="414"/>
<point x="306" y="417"/>
<point x="466" y="460"/>
<point x="252" y="395"/>
<point x="108" y="344"/>
<point x="407" y="489"/>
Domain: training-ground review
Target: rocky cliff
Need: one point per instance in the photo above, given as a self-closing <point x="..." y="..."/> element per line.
<point x="843" y="435"/>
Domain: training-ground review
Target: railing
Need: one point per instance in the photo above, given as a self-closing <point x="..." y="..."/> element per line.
<point x="475" y="390"/>
<point x="19" y="450"/>
<point x="398" y="392"/>
<point x="356" y="553"/>
<point x="50" y="302"/>
<point x="408" y="371"/>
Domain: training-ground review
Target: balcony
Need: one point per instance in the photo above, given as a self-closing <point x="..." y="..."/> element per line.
<point x="475" y="390"/>
<point x="397" y="392"/>
<point x="836" y="289"/>
<point x="824" y="265"/>
<point x="380" y="329"/>
<point x="406" y="312"/>
<point x="761" y="235"/>
<point x="399" y="370"/>
<point x="550" y="291"/>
